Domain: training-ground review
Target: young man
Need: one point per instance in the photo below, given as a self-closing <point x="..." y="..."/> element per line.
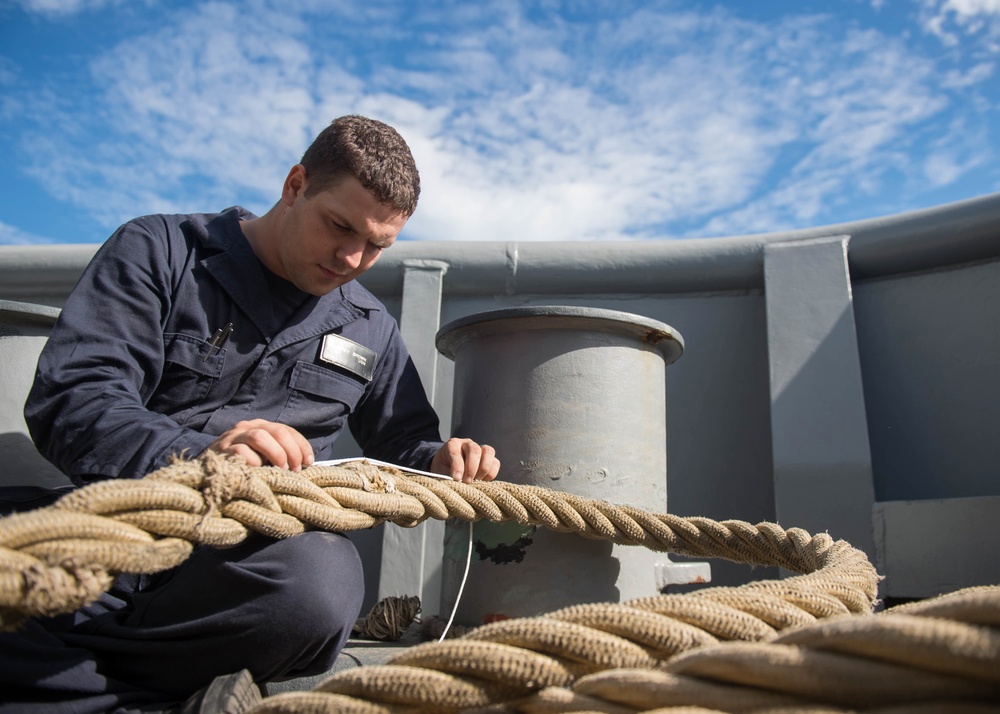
<point x="239" y="335"/>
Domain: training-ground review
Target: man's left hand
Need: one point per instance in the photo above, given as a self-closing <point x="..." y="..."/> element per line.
<point x="465" y="460"/>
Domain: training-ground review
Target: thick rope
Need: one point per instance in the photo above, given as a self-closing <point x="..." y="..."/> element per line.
<point x="56" y="559"/>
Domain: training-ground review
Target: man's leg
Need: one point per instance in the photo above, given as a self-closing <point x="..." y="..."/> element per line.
<point x="40" y="674"/>
<point x="280" y="608"/>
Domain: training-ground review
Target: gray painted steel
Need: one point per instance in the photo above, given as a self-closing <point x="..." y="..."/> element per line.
<point x="819" y="433"/>
<point x="957" y="233"/>
<point x="937" y="545"/>
<point x="23" y="331"/>
<point x="411" y="557"/>
<point x="930" y="359"/>
<point x="926" y="301"/>
<point x="575" y="401"/>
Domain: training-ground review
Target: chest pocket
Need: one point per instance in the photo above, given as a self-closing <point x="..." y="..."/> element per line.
<point x="319" y="398"/>
<point x="187" y="376"/>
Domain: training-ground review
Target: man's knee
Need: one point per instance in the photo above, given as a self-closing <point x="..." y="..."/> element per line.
<point x="324" y="583"/>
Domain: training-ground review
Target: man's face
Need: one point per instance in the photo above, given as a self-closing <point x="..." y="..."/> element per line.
<point x="333" y="236"/>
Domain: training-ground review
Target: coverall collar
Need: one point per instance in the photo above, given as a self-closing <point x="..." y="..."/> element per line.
<point x="240" y="273"/>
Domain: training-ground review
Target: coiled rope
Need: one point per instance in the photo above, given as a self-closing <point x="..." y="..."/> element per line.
<point x="762" y="645"/>
<point x="388" y="619"/>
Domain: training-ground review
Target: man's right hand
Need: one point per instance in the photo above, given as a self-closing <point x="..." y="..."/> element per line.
<point x="265" y="442"/>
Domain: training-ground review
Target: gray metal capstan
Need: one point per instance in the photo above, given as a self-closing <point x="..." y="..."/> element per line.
<point x="573" y="399"/>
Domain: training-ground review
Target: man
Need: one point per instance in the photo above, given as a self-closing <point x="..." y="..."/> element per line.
<point x="239" y="335"/>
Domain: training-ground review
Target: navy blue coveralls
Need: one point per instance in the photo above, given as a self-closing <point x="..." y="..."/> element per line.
<point x="127" y="379"/>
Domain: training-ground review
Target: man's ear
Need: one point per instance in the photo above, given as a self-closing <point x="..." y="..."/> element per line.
<point x="295" y="184"/>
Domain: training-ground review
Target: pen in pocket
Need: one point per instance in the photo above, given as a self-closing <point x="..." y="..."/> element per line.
<point x="218" y="339"/>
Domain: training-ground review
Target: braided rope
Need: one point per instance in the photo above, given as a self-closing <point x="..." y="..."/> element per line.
<point x="628" y="657"/>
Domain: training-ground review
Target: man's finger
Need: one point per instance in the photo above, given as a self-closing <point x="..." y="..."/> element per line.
<point x="465" y="460"/>
<point x="456" y="462"/>
<point x="293" y="445"/>
<point x="472" y="455"/>
<point x="249" y="455"/>
<point x="489" y="465"/>
<point x="262" y="441"/>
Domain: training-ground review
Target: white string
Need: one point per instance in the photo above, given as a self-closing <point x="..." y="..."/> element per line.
<point x="461" y="588"/>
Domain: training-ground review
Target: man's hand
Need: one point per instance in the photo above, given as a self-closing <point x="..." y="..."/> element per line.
<point x="260" y="442"/>
<point x="465" y="460"/>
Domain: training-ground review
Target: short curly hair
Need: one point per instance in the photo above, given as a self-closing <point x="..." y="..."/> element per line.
<point x="372" y="152"/>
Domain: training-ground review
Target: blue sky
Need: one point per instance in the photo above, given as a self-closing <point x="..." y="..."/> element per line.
<point x="529" y="120"/>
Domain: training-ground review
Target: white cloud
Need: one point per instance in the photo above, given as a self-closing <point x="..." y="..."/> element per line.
<point x="976" y="74"/>
<point x="65" y="8"/>
<point x="199" y="112"/>
<point x="954" y="155"/>
<point x="8" y="71"/>
<point x="950" y="19"/>
<point x="12" y="235"/>
<point x="644" y="124"/>
<point x="689" y="134"/>
<point x="972" y="8"/>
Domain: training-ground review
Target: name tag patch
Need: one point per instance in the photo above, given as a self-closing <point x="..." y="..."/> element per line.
<point x="349" y="355"/>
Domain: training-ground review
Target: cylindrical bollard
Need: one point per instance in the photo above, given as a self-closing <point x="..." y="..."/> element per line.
<point x="574" y="400"/>
<point x="24" y="327"/>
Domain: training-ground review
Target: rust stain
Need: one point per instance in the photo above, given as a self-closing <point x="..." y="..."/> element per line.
<point x="655" y="337"/>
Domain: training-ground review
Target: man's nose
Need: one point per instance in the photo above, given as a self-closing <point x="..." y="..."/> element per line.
<point x="351" y="253"/>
